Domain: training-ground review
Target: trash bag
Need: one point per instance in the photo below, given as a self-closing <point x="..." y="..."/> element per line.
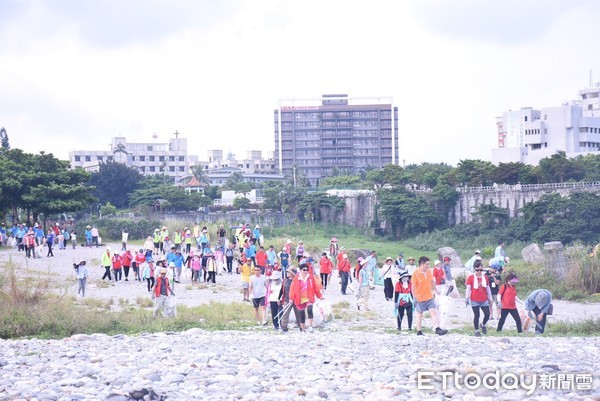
<point x="170" y="309"/>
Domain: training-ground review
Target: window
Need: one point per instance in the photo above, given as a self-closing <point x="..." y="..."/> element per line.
<point x="161" y="158"/>
<point x="150" y="148"/>
<point x="171" y="158"/>
<point x="77" y="158"/>
<point x="151" y="168"/>
<point x="88" y="158"/>
<point x="109" y="158"/>
<point x="525" y="118"/>
<point x="181" y="158"/>
<point x="181" y="168"/>
<point x="151" y="158"/>
<point x="171" y="168"/>
<point x="142" y="158"/>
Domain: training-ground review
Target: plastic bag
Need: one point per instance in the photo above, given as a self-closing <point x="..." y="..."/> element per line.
<point x="170" y="309"/>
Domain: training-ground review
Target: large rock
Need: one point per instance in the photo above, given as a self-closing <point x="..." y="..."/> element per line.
<point x="455" y="262"/>
<point x="533" y="254"/>
<point x="555" y="260"/>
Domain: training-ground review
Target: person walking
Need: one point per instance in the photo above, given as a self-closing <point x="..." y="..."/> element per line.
<point x="258" y="291"/>
<point x="326" y="267"/>
<point x="81" y="272"/>
<point x="403" y="300"/>
<point x="507" y="302"/>
<point x="287" y="304"/>
<point x="303" y="292"/>
<point x="387" y="272"/>
<point x="107" y="263"/>
<point x="423" y="292"/>
<point x="229" y="254"/>
<point x="364" y="288"/>
<point x="161" y="292"/>
<point x="344" y="271"/>
<point x="117" y="264"/>
<point x="539" y="302"/>
<point x="127" y="260"/>
<point x="274" y="296"/>
<point x="478" y="296"/>
<point x="49" y="242"/>
<point x="148" y="273"/>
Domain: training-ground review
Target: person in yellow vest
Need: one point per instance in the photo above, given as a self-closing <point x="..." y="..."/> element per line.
<point x="164" y="233"/>
<point x="177" y="239"/>
<point x="107" y="263"/>
<point x="156" y="240"/>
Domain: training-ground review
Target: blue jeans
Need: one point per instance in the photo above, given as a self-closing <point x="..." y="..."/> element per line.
<point x="539" y="325"/>
<point x="344" y="276"/>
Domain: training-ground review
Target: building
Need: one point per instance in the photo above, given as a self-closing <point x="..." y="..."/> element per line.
<point x="529" y="135"/>
<point x="254" y="168"/>
<point x="148" y="158"/>
<point x="334" y="134"/>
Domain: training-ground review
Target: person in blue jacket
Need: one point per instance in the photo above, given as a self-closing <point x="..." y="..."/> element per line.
<point x="539" y="302"/>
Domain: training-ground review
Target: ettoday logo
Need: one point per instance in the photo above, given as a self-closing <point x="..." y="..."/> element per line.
<point x="426" y="380"/>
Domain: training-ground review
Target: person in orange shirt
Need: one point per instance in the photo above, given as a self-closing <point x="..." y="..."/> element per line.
<point x="304" y="290"/>
<point x="423" y="289"/>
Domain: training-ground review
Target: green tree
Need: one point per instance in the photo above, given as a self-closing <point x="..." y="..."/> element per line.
<point x="559" y="168"/>
<point x="341" y="181"/>
<point x="426" y="174"/>
<point x="473" y="173"/>
<point x="491" y="216"/>
<point x="114" y="182"/>
<point x="407" y="213"/>
<point x="241" y="203"/>
<point x="108" y="209"/>
<point x="4" y="145"/>
<point x="513" y="173"/>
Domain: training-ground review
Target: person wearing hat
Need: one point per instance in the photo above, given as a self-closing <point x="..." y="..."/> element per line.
<point x="256" y="234"/>
<point x="447" y="270"/>
<point x="440" y="277"/>
<point x="325" y="269"/>
<point x="303" y="292"/>
<point x="274" y="295"/>
<point x="300" y="250"/>
<point x="117" y="264"/>
<point x="161" y="291"/>
<point x="333" y="249"/>
<point x="344" y="272"/>
<point x="340" y="256"/>
<point x="507" y="303"/>
<point x="403" y="300"/>
<point x="494" y="279"/>
<point x="81" y="272"/>
<point x="363" y="278"/>
<point x="387" y="272"/>
<point x="478" y="296"/>
<point x="411" y="267"/>
<point x="139" y="260"/>
<point x="88" y="236"/>
<point x="469" y="265"/>
<point x="539" y="302"/>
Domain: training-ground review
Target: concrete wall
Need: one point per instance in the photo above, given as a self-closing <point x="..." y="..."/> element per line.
<point x="509" y="197"/>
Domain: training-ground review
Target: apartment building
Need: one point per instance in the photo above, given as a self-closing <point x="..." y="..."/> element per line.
<point x="170" y="158"/>
<point x="334" y="134"/>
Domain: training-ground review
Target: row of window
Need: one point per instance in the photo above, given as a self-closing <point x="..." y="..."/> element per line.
<point x="334" y="114"/>
<point x="536" y="131"/>
<point x="88" y="158"/>
<point x="591" y="130"/>
<point x="153" y="169"/>
<point x="592" y="145"/>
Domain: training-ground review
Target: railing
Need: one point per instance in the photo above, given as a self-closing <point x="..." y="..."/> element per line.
<point x="528" y="187"/>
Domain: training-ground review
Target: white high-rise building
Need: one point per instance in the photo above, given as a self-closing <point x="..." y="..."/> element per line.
<point x="529" y="135"/>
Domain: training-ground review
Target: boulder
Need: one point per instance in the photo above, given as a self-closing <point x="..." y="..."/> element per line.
<point x="554" y="258"/>
<point x="455" y="261"/>
<point x="533" y="254"/>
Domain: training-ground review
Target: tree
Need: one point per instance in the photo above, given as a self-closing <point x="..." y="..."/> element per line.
<point x="491" y="216"/>
<point x="473" y="173"/>
<point x="426" y="174"/>
<point x="407" y="213"/>
<point x="198" y="172"/>
<point x="513" y="173"/>
<point x="559" y="168"/>
<point x="241" y="202"/>
<point x="114" y="182"/>
<point x="341" y="181"/>
<point x="4" y="139"/>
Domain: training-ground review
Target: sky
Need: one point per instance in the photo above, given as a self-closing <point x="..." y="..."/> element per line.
<point x="74" y="74"/>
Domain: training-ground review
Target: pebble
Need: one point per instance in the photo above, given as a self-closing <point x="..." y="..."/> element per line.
<point x="323" y="365"/>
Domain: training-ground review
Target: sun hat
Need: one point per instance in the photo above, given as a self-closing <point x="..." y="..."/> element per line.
<point x="333" y="239"/>
<point x="388" y="258"/>
<point x="410" y="258"/>
<point x="436" y="262"/>
<point x="403" y="274"/>
<point x="477" y="251"/>
<point x="163" y="271"/>
<point x="275" y="275"/>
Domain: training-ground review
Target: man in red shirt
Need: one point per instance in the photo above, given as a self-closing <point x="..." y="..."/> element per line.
<point x="326" y="267"/>
<point x="344" y="270"/>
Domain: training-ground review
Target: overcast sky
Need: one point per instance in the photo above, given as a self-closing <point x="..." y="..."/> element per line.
<point x="74" y="73"/>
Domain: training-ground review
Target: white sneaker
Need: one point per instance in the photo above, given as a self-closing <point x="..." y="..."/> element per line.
<point x="309" y="329"/>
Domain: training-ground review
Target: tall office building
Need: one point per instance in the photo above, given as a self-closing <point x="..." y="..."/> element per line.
<point x="335" y="133"/>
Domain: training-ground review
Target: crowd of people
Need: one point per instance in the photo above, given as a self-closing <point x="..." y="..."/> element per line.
<point x="279" y="281"/>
